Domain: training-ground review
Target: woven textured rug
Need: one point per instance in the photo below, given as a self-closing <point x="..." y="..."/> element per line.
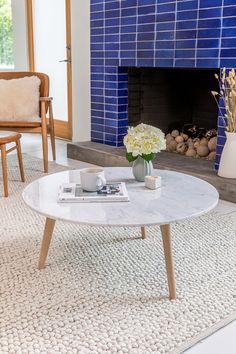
<point x="104" y="290"/>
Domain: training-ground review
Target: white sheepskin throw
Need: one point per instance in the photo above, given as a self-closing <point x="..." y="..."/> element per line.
<point x="19" y="99"/>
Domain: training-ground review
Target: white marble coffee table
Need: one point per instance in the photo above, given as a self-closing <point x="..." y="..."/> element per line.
<point x="181" y="197"/>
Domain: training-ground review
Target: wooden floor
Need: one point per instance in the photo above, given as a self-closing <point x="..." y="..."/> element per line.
<point x="105" y="155"/>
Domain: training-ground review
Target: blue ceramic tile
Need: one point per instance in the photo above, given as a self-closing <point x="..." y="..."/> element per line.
<point x="188" y="34"/>
<point x="228" y="53"/>
<point x="110" y="137"/>
<point x="127" y="54"/>
<point x="186" y="15"/>
<point x="229" y="2"/>
<point x="166" y="7"/>
<point x="112" y="14"/>
<point x="210" y="3"/>
<point x="187" y="5"/>
<point x="149" y="36"/>
<point x="228" y="43"/>
<point x="165" y="45"/>
<point x="97" y="127"/>
<point x="148" y="54"/>
<point x="186" y="24"/>
<point x="164" y="63"/>
<point x="122" y="122"/>
<point x="132" y="11"/>
<point x="128" y="62"/>
<point x="165" y="17"/>
<point x="188" y="44"/>
<point x="165" y="26"/>
<point x="128" y="21"/>
<point x="207" y="63"/>
<point x="146" y="2"/>
<point x="145" y="62"/>
<point x="229" y="21"/>
<point x="112" y="22"/>
<point x="228" y="63"/>
<point x="128" y="37"/>
<point x="97" y="31"/>
<point x="208" y="43"/>
<point x="185" y="53"/>
<point x="96" y="91"/>
<point x="97" y="16"/>
<point x="128" y="46"/>
<point x="145" y="45"/>
<point x="209" y="33"/>
<point x="210" y="13"/>
<point x="229" y="32"/>
<point x="229" y="11"/>
<point x="113" y="5"/>
<point x="111" y="46"/>
<point x="97" y="23"/>
<point x="162" y="54"/>
<point x="128" y="3"/>
<point x="128" y="29"/>
<point x="97" y="106"/>
<point x="212" y="23"/>
<point x="146" y="10"/>
<point x="208" y="53"/>
<point x="97" y="99"/>
<point x="97" y="120"/>
<point x="95" y="113"/>
<point x="165" y="35"/>
<point x="97" y="135"/>
<point x="185" y="63"/>
<point x="142" y="28"/>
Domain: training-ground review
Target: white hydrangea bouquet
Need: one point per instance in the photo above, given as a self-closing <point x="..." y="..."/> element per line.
<point x="142" y="143"/>
<point x="145" y="141"/>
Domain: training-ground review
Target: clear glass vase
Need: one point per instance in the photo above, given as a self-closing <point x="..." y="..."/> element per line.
<point x="141" y="168"/>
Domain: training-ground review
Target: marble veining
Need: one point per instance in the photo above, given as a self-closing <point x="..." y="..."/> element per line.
<point x="180" y="197"/>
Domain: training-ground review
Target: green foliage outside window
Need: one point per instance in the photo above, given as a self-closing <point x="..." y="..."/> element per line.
<point x="6" y="36"/>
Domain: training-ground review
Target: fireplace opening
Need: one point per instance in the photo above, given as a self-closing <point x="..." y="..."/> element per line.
<point x="177" y="100"/>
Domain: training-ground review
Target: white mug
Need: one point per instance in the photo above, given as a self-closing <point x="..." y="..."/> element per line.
<point x="92" y="179"/>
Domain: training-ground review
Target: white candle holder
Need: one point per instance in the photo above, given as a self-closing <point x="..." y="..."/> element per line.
<point x="153" y="182"/>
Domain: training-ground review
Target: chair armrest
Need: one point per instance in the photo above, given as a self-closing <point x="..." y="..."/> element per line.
<point x="45" y="99"/>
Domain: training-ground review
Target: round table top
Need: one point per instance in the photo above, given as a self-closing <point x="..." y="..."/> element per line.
<point x="180" y="197"/>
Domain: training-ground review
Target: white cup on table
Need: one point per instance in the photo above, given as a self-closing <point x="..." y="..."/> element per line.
<point x="92" y="179"/>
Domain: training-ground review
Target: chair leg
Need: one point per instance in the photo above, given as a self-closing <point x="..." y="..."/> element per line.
<point x="52" y="133"/>
<point x="19" y="154"/>
<point x="44" y="137"/>
<point x="4" y="169"/>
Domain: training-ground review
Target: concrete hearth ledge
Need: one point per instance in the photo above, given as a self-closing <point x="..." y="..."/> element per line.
<point x="105" y="155"/>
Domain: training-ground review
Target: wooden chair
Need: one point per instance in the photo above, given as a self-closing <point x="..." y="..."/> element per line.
<point x="45" y="126"/>
<point x="7" y="137"/>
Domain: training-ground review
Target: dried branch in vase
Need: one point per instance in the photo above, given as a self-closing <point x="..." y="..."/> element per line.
<point x="227" y="83"/>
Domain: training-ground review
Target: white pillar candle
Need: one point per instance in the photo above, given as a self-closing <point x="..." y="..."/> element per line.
<point x="153" y="182"/>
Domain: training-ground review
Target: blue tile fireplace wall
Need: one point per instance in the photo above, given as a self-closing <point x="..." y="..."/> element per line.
<point x="153" y="33"/>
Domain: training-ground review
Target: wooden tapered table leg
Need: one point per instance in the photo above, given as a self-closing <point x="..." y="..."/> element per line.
<point x="143" y="232"/>
<point x="48" y="231"/>
<point x="19" y="154"/>
<point x="166" y="238"/>
<point x="4" y="169"/>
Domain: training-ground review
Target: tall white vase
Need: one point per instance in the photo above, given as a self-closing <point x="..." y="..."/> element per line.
<point x="227" y="166"/>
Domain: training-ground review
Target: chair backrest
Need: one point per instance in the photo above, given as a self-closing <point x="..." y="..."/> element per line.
<point x="44" y="86"/>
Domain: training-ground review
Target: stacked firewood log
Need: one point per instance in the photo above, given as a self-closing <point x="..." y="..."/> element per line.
<point x="201" y="144"/>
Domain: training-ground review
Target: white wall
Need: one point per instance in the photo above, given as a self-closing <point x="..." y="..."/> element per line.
<point x="80" y="26"/>
<point x="20" y="47"/>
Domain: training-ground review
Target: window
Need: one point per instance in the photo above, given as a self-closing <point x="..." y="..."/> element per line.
<point x="6" y="36"/>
